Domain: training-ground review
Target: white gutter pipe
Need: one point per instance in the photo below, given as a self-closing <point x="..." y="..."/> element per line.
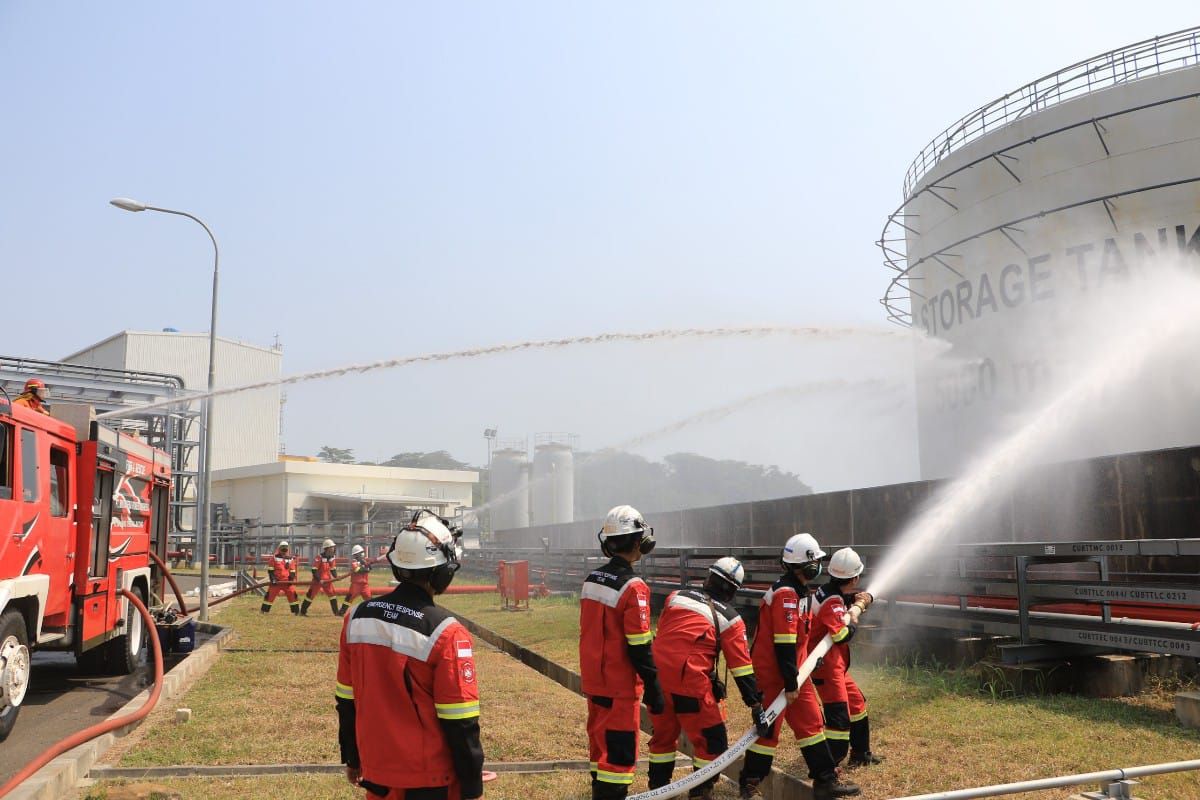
<point x="1012" y="612"/>
<point x="1057" y="783"/>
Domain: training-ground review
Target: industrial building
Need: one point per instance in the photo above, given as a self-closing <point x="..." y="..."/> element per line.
<point x="246" y="428"/>
<point x="541" y="492"/>
<point x="1019" y="214"/>
<point x="305" y="490"/>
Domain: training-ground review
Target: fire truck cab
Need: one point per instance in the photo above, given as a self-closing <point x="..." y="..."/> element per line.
<point x="81" y="508"/>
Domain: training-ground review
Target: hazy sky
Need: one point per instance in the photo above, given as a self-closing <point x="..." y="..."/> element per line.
<point x="388" y="179"/>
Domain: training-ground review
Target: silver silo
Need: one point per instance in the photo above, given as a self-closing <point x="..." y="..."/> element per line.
<point x="553" y="484"/>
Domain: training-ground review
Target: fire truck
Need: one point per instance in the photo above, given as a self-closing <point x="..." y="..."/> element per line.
<point x="81" y="508"/>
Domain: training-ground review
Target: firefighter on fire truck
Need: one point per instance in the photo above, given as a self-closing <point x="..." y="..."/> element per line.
<point x="846" y="724"/>
<point x="615" y="659"/>
<point x="34" y="396"/>
<point x="282" y="566"/>
<point x="784" y="617"/>
<point x="360" y="577"/>
<point x="324" y="572"/>
<point x="407" y="691"/>
<point x="696" y="627"/>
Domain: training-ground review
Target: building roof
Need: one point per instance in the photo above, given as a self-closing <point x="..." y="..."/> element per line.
<point x="346" y="471"/>
<point x="385" y="498"/>
<point x="182" y="334"/>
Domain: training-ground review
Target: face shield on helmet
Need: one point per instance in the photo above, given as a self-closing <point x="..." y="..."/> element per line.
<point x="357" y="550"/>
<point x="625" y="521"/>
<point x="803" y="552"/>
<point x="426" y="543"/>
<point x="35" y="386"/>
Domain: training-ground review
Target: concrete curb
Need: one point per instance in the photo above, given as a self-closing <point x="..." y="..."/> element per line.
<point x="779" y="785"/>
<point x="62" y="774"/>
<point x="257" y="770"/>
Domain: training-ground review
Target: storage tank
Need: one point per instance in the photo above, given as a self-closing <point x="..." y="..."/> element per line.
<point x="1021" y="212"/>
<point x="509" y="491"/>
<point x="553" y="484"/>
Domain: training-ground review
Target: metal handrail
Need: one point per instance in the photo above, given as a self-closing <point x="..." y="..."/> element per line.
<point x="1161" y="54"/>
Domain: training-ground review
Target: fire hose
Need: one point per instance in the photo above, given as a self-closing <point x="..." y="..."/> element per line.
<point x="771" y="713"/>
<point x="87" y="734"/>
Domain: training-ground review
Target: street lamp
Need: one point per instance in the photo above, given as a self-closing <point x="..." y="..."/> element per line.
<point x="204" y="529"/>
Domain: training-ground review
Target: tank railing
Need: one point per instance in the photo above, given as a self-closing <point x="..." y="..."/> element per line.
<point x="1150" y="57"/>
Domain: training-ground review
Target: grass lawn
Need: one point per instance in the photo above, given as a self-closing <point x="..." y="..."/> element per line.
<point x="231" y="721"/>
<point x="550" y="786"/>
<point x="550" y="627"/>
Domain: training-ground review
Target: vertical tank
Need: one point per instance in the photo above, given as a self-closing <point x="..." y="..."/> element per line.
<point x="553" y="484"/>
<point x="509" y="493"/>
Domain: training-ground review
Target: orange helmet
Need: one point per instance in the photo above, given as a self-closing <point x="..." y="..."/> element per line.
<point x="35" y="385"/>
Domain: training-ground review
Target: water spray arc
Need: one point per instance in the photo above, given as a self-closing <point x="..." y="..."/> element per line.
<point x="816" y="333"/>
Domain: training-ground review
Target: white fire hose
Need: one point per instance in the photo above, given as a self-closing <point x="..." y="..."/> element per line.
<point x="771" y="713"/>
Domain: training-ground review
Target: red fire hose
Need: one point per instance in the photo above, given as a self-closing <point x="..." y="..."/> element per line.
<point x="87" y="734"/>
<point x="171" y="580"/>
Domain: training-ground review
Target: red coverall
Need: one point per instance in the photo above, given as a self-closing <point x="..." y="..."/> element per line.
<point x="843" y="701"/>
<point x="408" y="699"/>
<point x="784" y="617"/>
<point x="685" y="652"/>
<point x="615" y="662"/>
<point x="283" y="571"/>
<point x="360" y="579"/>
<point x="30" y="400"/>
<point x="324" y="571"/>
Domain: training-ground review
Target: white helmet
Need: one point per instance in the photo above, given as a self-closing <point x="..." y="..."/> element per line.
<point x="283" y="545"/>
<point x="425" y="542"/>
<point x="621" y="521"/>
<point x="730" y="569"/>
<point x="801" y="549"/>
<point x="357" y="550"/>
<point x="846" y="564"/>
<point x="328" y="543"/>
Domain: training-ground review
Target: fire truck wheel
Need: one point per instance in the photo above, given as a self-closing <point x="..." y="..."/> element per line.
<point x="125" y="652"/>
<point x="14" y="669"/>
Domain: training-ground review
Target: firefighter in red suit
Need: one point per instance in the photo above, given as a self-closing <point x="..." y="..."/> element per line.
<point x="784" y="617"/>
<point x="281" y="568"/>
<point x="324" y="571"/>
<point x="407" y="690"/>
<point x="697" y="625"/>
<point x="360" y="577"/>
<point x="34" y="396"/>
<point x="846" y="723"/>
<point x="615" y="658"/>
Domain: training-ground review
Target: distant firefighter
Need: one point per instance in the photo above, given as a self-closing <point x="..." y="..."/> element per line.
<point x="360" y="577"/>
<point x="282" y="574"/>
<point x="34" y="396"/>
<point x="324" y="572"/>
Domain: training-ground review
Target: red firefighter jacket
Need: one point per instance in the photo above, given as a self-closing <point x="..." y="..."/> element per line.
<point x="407" y="697"/>
<point x="359" y="571"/>
<point x="30" y="400"/>
<point x="784" y="617"/>
<point x="830" y="619"/>
<point x="614" y="633"/>
<point x="324" y="569"/>
<point x="685" y="649"/>
<point x="283" y="568"/>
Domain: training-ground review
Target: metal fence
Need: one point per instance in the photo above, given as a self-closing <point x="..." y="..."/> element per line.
<point x="1048" y="597"/>
<point x="1161" y="54"/>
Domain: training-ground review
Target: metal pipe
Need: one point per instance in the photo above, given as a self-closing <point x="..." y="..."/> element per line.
<point x="1012" y="612"/>
<point x="1057" y="783"/>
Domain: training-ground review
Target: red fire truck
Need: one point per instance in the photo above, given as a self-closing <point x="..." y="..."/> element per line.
<point x="81" y="507"/>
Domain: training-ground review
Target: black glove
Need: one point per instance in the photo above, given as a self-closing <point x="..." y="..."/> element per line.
<point x="718" y="688"/>
<point x="654" y="700"/>
<point x="271" y="576"/>
<point x="292" y="577"/>
<point x="761" y="726"/>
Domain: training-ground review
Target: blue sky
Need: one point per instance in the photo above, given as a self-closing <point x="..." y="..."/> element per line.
<point x="387" y="179"/>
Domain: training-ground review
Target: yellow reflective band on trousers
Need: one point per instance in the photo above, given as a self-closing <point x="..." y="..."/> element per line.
<point x="859" y="717"/>
<point x="343" y="691"/>
<point x="639" y="638"/>
<point x="614" y="777"/>
<point x="662" y="758"/>
<point x="842" y="634"/>
<point x="762" y="749"/>
<point x="741" y="672"/>
<point x="841" y="736"/>
<point x="811" y="740"/>
<point x="457" y="710"/>
<point x="785" y="638"/>
<point x="699" y="762"/>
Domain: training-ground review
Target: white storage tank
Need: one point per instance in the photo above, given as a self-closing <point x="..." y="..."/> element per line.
<point x="553" y="485"/>
<point x="509" y="491"/>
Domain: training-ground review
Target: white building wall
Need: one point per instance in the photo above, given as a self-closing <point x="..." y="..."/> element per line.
<point x="246" y="425"/>
<point x="1011" y="313"/>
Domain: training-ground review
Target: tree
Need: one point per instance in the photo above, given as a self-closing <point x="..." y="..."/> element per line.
<point x="439" y="459"/>
<point x="336" y="455"/>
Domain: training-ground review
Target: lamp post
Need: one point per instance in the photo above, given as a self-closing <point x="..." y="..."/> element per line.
<point x="204" y="531"/>
<point x="490" y="435"/>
